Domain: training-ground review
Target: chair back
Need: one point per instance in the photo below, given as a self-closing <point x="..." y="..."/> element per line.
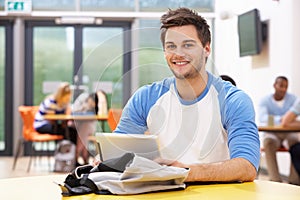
<point x="27" y="114"/>
<point x="113" y="118"/>
<point x="102" y="104"/>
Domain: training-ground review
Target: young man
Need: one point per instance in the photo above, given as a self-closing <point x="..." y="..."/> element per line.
<point x="276" y="105"/>
<point x="202" y="122"/>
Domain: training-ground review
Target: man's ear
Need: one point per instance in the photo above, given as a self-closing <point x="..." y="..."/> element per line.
<point x="207" y="49"/>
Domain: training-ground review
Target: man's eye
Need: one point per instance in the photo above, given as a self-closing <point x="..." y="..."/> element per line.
<point x="171" y="46"/>
<point x="188" y="45"/>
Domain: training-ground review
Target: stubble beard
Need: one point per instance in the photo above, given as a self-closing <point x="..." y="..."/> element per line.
<point x="192" y="73"/>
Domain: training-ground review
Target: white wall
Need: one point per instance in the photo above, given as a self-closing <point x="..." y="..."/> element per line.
<point x="283" y="53"/>
<point x="283" y="58"/>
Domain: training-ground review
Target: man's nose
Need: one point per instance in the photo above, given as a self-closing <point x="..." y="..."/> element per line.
<point x="179" y="52"/>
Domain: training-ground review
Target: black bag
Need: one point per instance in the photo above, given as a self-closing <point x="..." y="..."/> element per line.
<point x="128" y="174"/>
<point x="74" y="185"/>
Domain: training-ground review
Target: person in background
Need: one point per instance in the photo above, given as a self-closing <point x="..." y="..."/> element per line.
<point x="85" y="104"/>
<point x="228" y="78"/>
<point x="290" y="120"/>
<point x="202" y="123"/>
<point x="271" y="108"/>
<point x="57" y="103"/>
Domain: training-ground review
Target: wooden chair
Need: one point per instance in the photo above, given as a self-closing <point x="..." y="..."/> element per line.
<point x="30" y="135"/>
<point x="280" y="149"/>
<point x="114" y="116"/>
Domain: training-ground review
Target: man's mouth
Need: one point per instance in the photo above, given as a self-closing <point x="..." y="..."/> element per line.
<point x="181" y="63"/>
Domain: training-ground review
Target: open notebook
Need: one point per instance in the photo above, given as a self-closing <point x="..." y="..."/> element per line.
<point x="112" y="145"/>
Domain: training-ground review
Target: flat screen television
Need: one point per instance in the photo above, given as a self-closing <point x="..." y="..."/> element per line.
<point x="250" y="33"/>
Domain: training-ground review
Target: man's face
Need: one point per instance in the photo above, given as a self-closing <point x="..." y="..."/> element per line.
<point x="280" y="87"/>
<point x="184" y="52"/>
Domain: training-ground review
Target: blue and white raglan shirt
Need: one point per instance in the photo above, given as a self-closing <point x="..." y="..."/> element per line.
<point x="48" y="106"/>
<point x="268" y="106"/>
<point x="218" y="125"/>
<point x="296" y="107"/>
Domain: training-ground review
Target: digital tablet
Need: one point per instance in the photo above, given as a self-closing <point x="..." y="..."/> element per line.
<point x="112" y="145"/>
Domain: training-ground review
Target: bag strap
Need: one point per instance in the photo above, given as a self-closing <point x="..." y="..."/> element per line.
<point x="115" y="164"/>
<point x="73" y="187"/>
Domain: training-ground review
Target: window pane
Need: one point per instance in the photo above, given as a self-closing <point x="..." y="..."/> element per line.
<point x="53" y="57"/>
<point x="1" y="5"/>
<point x="107" y="5"/>
<point x="54" y="5"/>
<point x="2" y="86"/>
<point x="103" y="62"/>
<point x="159" y="5"/>
<point x="151" y="56"/>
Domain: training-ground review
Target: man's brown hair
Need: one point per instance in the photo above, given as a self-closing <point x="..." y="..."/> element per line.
<point x="185" y="16"/>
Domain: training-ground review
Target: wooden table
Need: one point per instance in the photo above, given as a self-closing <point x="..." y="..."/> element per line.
<point x="278" y="128"/>
<point x="76" y="117"/>
<point x="43" y="187"/>
<point x="64" y="117"/>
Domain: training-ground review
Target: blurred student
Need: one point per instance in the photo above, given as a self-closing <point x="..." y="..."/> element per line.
<point x="57" y="103"/>
<point x="85" y="104"/>
<point x="271" y="108"/>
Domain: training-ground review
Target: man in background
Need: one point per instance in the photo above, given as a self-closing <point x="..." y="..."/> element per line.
<point x="271" y="109"/>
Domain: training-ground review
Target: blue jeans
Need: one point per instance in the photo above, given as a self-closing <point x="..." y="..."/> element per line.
<point x="295" y="156"/>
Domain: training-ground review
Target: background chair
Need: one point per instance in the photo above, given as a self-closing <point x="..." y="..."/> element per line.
<point x="113" y="119"/>
<point x="30" y="135"/>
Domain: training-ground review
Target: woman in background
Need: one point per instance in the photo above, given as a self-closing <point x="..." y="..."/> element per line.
<point x="57" y="103"/>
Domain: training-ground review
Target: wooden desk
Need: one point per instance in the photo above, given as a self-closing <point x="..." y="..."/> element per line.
<point x="278" y="128"/>
<point x="63" y="117"/>
<point x="43" y="187"/>
<point x="76" y="117"/>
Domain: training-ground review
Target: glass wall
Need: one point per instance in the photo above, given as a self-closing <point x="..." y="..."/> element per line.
<point x="107" y="5"/>
<point x="6" y="96"/>
<point x="159" y="5"/>
<point x="121" y="5"/>
<point x="52" y="59"/>
<point x="54" y="5"/>
<point x="150" y="53"/>
<point x="103" y="62"/>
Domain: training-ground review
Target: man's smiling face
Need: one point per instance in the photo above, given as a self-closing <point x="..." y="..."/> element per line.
<point x="184" y="51"/>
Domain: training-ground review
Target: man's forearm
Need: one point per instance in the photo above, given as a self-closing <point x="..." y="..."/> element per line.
<point x="237" y="169"/>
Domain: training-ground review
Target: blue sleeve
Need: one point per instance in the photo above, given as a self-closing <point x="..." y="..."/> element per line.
<point x="239" y="120"/>
<point x="296" y="107"/>
<point x="134" y="115"/>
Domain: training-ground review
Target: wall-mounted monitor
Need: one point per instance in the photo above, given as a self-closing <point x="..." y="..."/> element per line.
<point x="250" y="33"/>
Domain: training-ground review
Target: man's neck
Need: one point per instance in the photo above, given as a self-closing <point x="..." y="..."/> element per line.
<point x="190" y="89"/>
<point x="278" y="98"/>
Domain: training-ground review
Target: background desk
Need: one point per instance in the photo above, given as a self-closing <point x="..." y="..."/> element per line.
<point x="76" y="117"/>
<point x="63" y="117"/>
<point x="43" y="187"/>
<point x="278" y="129"/>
